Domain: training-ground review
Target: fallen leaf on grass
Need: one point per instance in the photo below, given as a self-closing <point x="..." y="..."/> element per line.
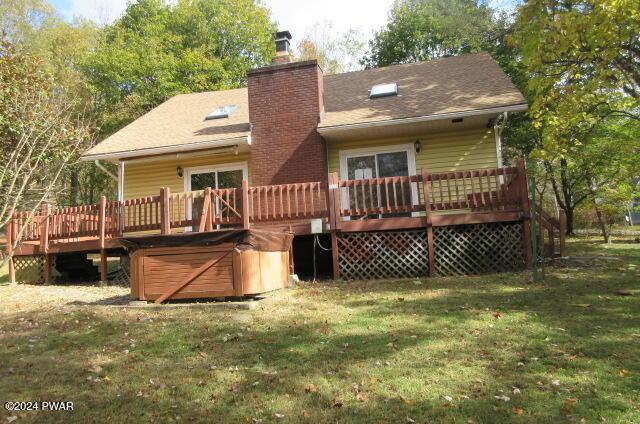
<point x="517" y="410"/>
<point x="497" y="315"/>
<point x="570" y="401"/>
<point x="407" y="401"/>
<point x="203" y="354"/>
<point x="624" y="373"/>
<point x="310" y="388"/>
<point x="278" y="416"/>
<point x="305" y="413"/>
<point x="361" y="397"/>
<point x="336" y="403"/>
<point x="503" y="398"/>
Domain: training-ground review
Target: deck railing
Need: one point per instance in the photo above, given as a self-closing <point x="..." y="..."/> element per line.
<point x="495" y="189"/>
<point x="287" y="202"/>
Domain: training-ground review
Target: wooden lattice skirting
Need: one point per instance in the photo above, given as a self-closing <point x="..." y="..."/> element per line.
<point x="30" y="269"/>
<point x="123" y="276"/>
<point x="388" y="254"/>
<point x="478" y="248"/>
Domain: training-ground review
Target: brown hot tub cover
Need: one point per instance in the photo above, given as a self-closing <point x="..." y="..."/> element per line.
<point x="260" y="240"/>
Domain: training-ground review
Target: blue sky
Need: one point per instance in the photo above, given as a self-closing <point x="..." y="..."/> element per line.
<point x="298" y="16"/>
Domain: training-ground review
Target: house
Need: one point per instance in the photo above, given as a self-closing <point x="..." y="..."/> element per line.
<point x="381" y="163"/>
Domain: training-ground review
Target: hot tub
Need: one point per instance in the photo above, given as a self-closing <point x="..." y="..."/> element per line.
<point x="208" y="265"/>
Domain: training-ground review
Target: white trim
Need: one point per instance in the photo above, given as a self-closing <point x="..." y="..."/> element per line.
<point x="337" y="128"/>
<point x="121" y="181"/>
<point x="201" y="145"/>
<point x="373" y="150"/>
<point x="233" y="166"/>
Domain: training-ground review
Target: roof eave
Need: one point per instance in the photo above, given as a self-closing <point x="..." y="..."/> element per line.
<point x="201" y="145"/>
<point x="520" y="107"/>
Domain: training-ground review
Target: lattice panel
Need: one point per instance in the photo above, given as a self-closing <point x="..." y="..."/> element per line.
<point x="398" y="254"/>
<point x="30" y="269"/>
<point x="478" y="248"/>
<point x="122" y="277"/>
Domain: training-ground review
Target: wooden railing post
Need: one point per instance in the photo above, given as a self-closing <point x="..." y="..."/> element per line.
<point x="525" y="209"/>
<point x="333" y="192"/>
<point x="427" y="209"/>
<point x="102" y="208"/>
<point x="165" y="218"/>
<point x="562" y="232"/>
<point x="44" y="241"/>
<point x="10" y="240"/>
<point x="44" y="228"/>
<point x="245" y="204"/>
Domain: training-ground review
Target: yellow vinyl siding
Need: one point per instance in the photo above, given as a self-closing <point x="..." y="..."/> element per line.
<point x="445" y="151"/>
<point x="145" y="179"/>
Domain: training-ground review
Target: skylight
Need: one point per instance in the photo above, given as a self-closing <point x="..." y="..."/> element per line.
<point x="221" y="112"/>
<point x="383" y="90"/>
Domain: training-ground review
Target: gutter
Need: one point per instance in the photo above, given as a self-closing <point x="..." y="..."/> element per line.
<point x="176" y="148"/>
<point x="401" y="121"/>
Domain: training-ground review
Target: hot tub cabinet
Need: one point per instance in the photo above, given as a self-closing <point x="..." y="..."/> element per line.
<point x="207" y="265"/>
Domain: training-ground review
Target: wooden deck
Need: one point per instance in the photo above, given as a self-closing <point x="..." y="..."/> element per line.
<point x="425" y="201"/>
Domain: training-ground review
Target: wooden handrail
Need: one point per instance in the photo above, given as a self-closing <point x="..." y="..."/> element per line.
<point x="490" y="189"/>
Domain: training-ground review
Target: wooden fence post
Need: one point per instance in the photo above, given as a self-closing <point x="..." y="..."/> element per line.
<point x="563" y="231"/>
<point x="427" y="208"/>
<point x="333" y="193"/>
<point x="10" y="240"/>
<point x="102" y="207"/>
<point x="245" y="204"/>
<point x="165" y="217"/>
<point x="526" y="211"/>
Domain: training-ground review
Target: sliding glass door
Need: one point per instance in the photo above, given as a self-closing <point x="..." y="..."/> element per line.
<point x="380" y="164"/>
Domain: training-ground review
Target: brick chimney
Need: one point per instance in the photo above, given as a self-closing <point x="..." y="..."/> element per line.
<point x="283" y="51"/>
<point x="285" y="102"/>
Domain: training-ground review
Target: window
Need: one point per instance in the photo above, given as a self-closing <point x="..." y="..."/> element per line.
<point x="383" y="90"/>
<point x="221" y="112"/>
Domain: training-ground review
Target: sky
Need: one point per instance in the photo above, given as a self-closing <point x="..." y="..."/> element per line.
<point x="299" y="17"/>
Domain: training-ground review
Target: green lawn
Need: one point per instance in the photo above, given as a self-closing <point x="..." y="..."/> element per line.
<point x="468" y="350"/>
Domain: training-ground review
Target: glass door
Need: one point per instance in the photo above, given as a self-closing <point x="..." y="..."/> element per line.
<point x="216" y="178"/>
<point x="378" y="165"/>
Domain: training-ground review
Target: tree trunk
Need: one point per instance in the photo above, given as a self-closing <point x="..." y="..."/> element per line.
<point x="569" y="214"/>
<point x="601" y="223"/>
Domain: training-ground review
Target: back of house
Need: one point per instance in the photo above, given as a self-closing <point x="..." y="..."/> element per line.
<point x="387" y="172"/>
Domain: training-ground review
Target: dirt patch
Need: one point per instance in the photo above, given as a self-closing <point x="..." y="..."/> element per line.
<point x="25" y="297"/>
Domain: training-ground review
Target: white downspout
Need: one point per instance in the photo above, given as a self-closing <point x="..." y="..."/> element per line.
<point x="497" y="129"/>
<point x="121" y="181"/>
<point x="105" y="170"/>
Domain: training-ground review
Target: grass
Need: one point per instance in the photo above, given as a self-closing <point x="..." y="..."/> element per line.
<point x="480" y="349"/>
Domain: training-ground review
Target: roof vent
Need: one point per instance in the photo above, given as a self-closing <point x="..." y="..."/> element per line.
<point x="221" y="112"/>
<point x="383" y="90"/>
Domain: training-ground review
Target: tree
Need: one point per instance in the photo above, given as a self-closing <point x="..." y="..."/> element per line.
<point x="421" y="30"/>
<point x="157" y="50"/>
<point x="584" y="61"/>
<point x="335" y="52"/>
<point x="40" y="133"/>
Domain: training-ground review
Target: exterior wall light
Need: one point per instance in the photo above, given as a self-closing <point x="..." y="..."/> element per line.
<point x="179" y="171"/>
<point x="418" y="146"/>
